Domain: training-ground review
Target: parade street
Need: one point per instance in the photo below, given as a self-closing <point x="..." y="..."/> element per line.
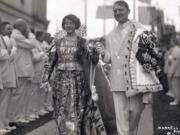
<point x="165" y="118"/>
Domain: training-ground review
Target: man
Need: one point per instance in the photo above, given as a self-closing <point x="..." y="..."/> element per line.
<point x="25" y="69"/>
<point x="46" y="47"/>
<point x="120" y="44"/>
<point x="39" y="58"/>
<point x="7" y="29"/>
<point x="9" y="72"/>
<point x="4" y="82"/>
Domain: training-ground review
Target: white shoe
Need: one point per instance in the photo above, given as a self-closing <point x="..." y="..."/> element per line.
<point x="31" y="119"/>
<point x="174" y="103"/>
<point x="4" y="131"/>
<point x="21" y="120"/>
<point x="43" y="112"/>
<point x="36" y="116"/>
<point x="11" y="127"/>
<point x="49" y="108"/>
<point x="32" y="116"/>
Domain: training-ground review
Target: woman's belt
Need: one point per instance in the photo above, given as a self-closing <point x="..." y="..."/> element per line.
<point x="70" y="66"/>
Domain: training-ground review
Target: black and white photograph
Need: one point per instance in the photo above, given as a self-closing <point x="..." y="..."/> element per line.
<point x="89" y="67"/>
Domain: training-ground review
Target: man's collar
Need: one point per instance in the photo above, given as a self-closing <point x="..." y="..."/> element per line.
<point x="122" y="26"/>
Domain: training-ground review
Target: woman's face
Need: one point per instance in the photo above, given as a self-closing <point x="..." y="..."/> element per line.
<point x="69" y="26"/>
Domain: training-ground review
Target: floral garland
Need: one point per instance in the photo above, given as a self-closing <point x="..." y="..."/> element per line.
<point x="147" y="55"/>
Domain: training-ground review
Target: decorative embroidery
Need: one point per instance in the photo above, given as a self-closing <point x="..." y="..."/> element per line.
<point x="148" y="59"/>
<point x="146" y="54"/>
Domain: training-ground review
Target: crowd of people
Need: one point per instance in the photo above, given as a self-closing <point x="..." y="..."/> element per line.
<point x="23" y="55"/>
<point x="171" y="69"/>
<point x="39" y="73"/>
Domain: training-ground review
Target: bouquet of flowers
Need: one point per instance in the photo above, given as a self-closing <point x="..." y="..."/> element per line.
<point x="147" y="54"/>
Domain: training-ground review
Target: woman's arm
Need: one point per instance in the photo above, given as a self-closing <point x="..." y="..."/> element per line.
<point x="53" y="63"/>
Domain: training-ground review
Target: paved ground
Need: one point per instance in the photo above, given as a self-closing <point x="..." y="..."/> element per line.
<point x="46" y="129"/>
<point x="166" y="120"/>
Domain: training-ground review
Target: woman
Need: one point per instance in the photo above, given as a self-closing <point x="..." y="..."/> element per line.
<point x="74" y="110"/>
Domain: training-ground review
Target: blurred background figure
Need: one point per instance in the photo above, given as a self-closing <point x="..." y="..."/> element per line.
<point x="174" y="71"/>
<point x="25" y="70"/>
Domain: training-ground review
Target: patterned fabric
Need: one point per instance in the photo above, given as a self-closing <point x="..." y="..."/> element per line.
<point x="146" y="54"/>
<point x="66" y="51"/>
<point x="144" y="65"/>
<point x="75" y="112"/>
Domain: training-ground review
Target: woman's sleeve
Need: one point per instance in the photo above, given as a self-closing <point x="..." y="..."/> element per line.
<point x="53" y="63"/>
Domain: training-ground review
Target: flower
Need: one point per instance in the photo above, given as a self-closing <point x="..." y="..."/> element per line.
<point x="151" y="45"/>
<point x="146" y="57"/>
<point x="158" y="69"/>
<point x="147" y="67"/>
<point x="154" y="61"/>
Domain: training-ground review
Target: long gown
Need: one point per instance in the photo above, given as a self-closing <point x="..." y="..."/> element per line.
<point x="74" y="110"/>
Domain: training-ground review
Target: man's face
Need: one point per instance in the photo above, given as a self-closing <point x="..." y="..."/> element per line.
<point x="7" y="30"/>
<point x="120" y="13"/>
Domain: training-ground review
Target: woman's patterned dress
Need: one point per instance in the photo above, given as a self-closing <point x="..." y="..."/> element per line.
<point x="75" y="112"/>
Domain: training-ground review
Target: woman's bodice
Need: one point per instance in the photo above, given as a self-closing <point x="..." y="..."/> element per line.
<point x="67" y="51"/>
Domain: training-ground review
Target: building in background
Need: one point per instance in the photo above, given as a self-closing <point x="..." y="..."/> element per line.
<point x="33" y="11"/>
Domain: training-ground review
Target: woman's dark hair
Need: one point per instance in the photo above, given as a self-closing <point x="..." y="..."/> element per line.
<point x="73" y="18"/>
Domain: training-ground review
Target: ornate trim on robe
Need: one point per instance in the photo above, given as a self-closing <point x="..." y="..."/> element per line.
<point x="142" y="81"/>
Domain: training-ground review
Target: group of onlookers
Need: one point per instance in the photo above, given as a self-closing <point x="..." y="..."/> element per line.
<point x="172" y="69"/>
<point x="23" y="55"/>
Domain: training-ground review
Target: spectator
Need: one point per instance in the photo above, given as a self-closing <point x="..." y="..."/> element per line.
<point x="25" y="69"/>
<point x="11" y="84"/>
<point x="174" y="72"/>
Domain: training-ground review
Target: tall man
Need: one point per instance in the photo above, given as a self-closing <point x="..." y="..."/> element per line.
<point x="120" y="48"/>
<point x="9" y="71"/>
<point x="5" y="80"/>
<point x="25" y="69"/>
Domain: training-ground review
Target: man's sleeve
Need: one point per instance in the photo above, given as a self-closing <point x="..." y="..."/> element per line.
<point x="4" y="54"/>
<point x="107" y="56"/>
<point x="23" y="42"/>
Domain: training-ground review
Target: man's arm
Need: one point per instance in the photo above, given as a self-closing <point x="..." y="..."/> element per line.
<point x="106" y="57"/>
<point x="105" y="53"/>
<point x="26" y="43"/>
<point x="23" y="42"/>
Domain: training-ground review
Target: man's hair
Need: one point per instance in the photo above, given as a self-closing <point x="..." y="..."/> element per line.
<point x="5" y="23"/>
<point x="19" y="22"/>
<point x="123" y="3"/>
<point x="39" y="33"/>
